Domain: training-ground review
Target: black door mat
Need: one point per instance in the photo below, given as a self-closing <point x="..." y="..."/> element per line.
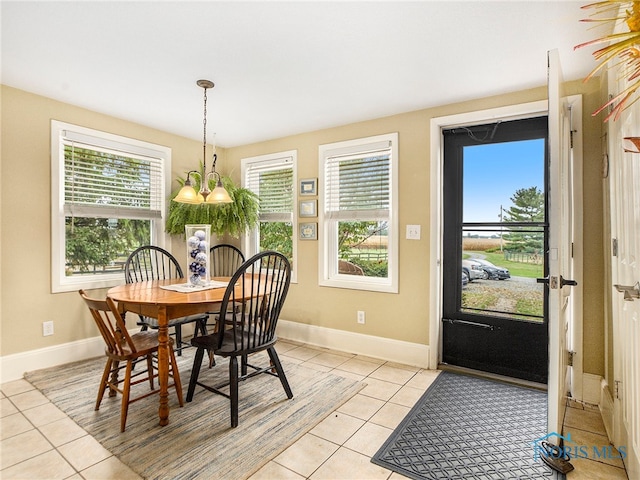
<point x="465" y="427"/>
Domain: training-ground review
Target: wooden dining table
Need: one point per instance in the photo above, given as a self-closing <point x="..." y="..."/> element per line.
<point x="149" y="299"/>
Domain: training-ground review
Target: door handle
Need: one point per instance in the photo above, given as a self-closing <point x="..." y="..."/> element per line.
<point x="631" y="292"/>
<point x="553" y="282"/>
<point x="571" y="283"/>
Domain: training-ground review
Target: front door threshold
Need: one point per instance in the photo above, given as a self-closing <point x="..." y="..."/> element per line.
<point x="492" y="376"/>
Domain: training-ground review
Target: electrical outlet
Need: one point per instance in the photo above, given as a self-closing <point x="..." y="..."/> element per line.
<point x="361" y="317"/>
<point x="47" y="328"/>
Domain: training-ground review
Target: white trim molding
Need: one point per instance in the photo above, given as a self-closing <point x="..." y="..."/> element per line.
<point x="13" y="367"/>
<point x="399" y="351"/>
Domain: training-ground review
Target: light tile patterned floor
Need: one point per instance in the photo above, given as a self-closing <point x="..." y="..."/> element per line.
<point x="38" y="441"/>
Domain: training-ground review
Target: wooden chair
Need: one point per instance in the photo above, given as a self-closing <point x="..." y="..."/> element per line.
<point x="247" y="326"/>
<point x="225" y="260"/>
<point x="122" y="347"/>
<point x="154" y="263"/>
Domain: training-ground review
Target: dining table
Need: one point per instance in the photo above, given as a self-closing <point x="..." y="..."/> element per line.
<point x="154" y="299"/>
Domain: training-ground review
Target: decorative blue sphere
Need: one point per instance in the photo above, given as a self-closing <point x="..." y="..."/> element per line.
<point x="193" y="242"/>
<point x="201" y="258"/>
<point x="200" y="234"/>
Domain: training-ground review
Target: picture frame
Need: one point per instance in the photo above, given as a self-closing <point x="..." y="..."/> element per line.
<point x="309" y="231"/>
<point x="308" y="208"/>
<point x="309" y="186"/>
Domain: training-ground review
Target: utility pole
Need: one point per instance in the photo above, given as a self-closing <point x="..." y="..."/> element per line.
<point x="500" y="216"/>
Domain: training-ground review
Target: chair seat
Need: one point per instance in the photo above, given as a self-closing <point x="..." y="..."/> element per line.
<point x="145" y="342"/>
<point x="228" y="346"/>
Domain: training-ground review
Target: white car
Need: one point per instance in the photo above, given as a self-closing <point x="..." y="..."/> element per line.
<point x="473" y="270"/>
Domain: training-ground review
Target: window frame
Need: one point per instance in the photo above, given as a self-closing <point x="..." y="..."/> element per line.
<point x="251" y="239"/>
<point x="328" y="251"/>
<point x="59" y="281"/>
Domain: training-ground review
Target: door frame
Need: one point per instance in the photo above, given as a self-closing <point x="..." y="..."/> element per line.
<point x="509" y="112"/>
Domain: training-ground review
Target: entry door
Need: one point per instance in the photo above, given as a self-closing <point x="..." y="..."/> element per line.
<point x="559" y="279"/>
<point x="495" y="210"/>
<point x="624" y="181"/>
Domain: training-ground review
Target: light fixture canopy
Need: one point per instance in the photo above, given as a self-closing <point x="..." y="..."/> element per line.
<point x="219" y="194"/>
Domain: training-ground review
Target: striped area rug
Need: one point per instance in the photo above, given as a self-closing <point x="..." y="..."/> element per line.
<point x="198" y="442"/>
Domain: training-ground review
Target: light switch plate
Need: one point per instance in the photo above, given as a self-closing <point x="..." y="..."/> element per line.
<point x="413" y="232"/>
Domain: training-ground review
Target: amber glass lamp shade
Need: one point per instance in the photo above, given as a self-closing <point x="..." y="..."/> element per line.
<point x="219" y="195"/>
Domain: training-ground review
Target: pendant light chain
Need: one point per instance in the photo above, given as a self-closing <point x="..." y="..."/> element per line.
<point x="187" y="193"/>
<point x="204" y="138"/>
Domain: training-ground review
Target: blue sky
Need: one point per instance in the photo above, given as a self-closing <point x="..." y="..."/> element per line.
<point x="492" y="173"/>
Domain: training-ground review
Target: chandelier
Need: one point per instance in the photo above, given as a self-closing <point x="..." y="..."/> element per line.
<point x="219" y="194"/>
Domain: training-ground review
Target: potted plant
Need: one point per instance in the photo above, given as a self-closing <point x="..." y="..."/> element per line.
<point x="232" y="219"/>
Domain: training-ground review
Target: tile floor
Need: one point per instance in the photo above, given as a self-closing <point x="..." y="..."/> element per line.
<point x="38" y="441"/>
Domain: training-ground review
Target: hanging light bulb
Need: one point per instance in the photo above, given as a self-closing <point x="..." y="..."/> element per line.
<point x="187" y="193"/>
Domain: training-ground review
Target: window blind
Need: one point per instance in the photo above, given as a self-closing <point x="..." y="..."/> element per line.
<point x="272" y="181"/>
<point x="357" y="185"/>
<point x="102" y="182"/>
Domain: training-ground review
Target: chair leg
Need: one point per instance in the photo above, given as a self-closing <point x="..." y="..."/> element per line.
<point x="177" y="383"/>
<point x="212" y="359"/>
<point x="103" y="382"/>
<point x="233" y="390"/>
<point x="201" y="326"/>
<point x="150" y="370"/>
<point x="243" y="365"/>
<point x="114" y="378"/>
<point x="195" y="371"/>
<point x="126" y="391"/>
<point x="275" y="361"/>
<point x="179" y="339"/>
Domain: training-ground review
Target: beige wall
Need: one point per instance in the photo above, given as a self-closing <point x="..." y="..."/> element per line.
<point x="26" y="300"/>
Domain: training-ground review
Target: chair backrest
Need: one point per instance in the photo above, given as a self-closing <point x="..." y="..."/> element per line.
<point x="252" y="323"/>
<point x="225" y="260"/>
<point x="151" y="263"/>
<point x="111" y="325"/>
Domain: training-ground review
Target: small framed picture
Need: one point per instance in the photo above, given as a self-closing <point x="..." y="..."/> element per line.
<point x="308" y="208"/>
<point x="309" y="186"/>
<point x="308" y="231"/>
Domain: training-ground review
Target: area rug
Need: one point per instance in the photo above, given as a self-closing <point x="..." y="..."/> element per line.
<point x="198" y="442"/>
<point x="465" y="427"/>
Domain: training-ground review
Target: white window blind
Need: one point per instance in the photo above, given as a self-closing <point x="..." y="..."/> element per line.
<point x="102" y="182"/>
<point x="357" y="186"/>
<point x="272" y="181"/>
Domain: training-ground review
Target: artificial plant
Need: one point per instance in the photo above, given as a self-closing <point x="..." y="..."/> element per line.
<point x="232" y="219"/>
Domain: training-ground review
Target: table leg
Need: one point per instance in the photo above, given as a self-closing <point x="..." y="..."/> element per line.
<point x="163" y="365"/>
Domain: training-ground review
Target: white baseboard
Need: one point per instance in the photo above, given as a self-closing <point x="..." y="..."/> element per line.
<point x="591" y="389"/>
<point x="13" y="367"/>
<point x="606" y="408"/>
<point x="377" y="347"/>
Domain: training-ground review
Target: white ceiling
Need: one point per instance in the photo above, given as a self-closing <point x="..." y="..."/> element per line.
<point x="282" y="68"/>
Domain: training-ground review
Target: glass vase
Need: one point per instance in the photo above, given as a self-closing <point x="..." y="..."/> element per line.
<point x="198" y="242"/>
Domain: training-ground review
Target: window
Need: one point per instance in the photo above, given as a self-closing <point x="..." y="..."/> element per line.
<point x="271" y="177"/>
<point x="358" y="214"/>
<point x="108" y="198"/>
